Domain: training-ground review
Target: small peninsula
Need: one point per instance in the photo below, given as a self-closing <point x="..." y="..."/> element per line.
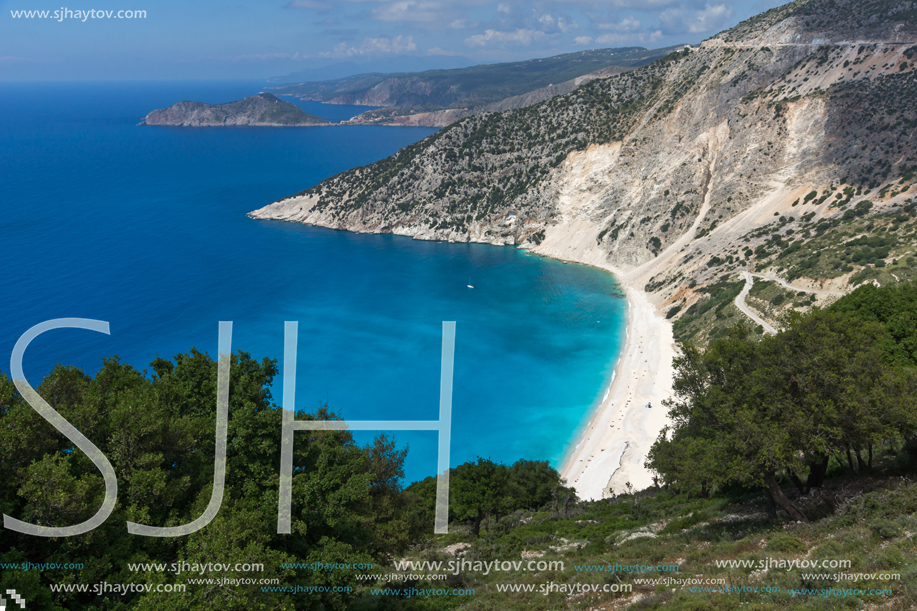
<point x="263" y="110"/>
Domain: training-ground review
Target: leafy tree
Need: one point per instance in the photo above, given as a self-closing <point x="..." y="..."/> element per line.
<point x="483" y="489"/>
<point x="158" y="432"/>
<point x="746" y="409"/>
<point x="892" y="306"/>
<point x="478" y="490"/>
<point x="531" y="483"/>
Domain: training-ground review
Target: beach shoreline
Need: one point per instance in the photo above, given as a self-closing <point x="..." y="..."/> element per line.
<point x="607" y="454"/>
<point x="610" y="450"/>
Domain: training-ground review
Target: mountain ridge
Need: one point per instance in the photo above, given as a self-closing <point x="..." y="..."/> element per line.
<point x="439" y="97"/>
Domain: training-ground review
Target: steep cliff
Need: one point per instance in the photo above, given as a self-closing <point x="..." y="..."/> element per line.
<point x="263" y="109"/>
<point x="777" y="144"/>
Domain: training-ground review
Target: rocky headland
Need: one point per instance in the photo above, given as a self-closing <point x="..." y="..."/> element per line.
<point x="263" y="109"/>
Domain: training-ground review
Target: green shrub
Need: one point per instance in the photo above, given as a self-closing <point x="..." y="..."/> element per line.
<point x="885" y="529"/>
<point x="786" y="543"/>
<point x="684" y="523"/>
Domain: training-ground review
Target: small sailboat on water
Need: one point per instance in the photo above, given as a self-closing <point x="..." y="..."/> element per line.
<point x="469" y="283"/>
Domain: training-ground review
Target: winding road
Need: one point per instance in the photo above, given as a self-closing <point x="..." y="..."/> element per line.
<point x="750" y="279"/>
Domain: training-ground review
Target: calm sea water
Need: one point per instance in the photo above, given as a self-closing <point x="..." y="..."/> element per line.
<point x="145" y="228"/>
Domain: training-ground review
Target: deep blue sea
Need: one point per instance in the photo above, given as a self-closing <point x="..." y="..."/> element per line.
<point x="145" y="227"/>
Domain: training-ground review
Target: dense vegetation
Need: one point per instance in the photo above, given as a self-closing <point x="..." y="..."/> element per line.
<point x="834" y="384"/>
<point x="158" y="432"/>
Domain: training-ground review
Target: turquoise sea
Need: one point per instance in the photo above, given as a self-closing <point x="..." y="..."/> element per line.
<point x="145" y="227"/>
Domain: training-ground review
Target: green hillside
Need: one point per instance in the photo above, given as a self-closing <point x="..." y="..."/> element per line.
<point x="468" y="87"/>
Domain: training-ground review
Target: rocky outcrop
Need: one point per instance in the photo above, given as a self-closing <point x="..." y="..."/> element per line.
<point x="263" y="109"/>
<point x="410" y="117"/>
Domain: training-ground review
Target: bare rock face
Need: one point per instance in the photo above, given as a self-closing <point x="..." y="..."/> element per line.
<point x="711" y="160"/>
<point x="410" y="117"/>
<point x="260" y="110"/>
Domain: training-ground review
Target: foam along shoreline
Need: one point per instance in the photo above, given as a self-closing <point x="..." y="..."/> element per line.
<point x="610" y="450"/>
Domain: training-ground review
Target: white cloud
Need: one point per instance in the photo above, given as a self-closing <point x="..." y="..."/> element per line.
<point x="565" y="26"/>
<point x="503" y="8"/>
<point x="494" y="37"/>
<point x="628" y="24"/>
<point x="582" y="40"/>
<point x="673" y="19"/>
<point x="713" y="17"/>
<point x="410" y="10"/>
<point x="462" y="24"/>
<point x="548" y="22"/>
<point x="642" y="4"/>
<point x="374" y="46"/>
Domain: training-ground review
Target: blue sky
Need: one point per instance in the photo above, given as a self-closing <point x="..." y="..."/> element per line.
<point x="253" y="40"/>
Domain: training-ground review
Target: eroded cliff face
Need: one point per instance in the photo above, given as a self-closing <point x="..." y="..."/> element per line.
<point x="674" y="173"/>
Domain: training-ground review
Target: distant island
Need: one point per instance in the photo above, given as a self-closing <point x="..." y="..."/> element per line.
<point x="263" y="109"/>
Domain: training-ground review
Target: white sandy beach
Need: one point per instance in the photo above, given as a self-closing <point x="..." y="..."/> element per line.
<point x="612" y="448"/>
